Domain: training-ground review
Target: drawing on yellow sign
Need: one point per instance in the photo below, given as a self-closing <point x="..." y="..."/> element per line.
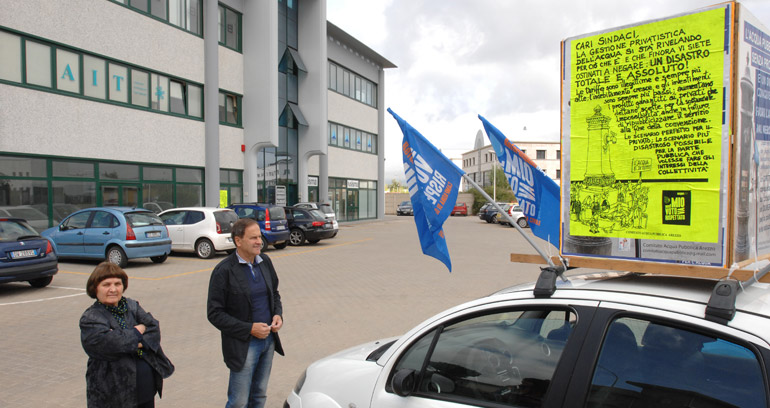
<point x="646" y="122"/>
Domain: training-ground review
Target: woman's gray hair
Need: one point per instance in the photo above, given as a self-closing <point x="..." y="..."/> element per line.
<point x="239" y="228"/>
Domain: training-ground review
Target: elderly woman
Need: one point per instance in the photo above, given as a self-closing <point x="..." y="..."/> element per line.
<point x="126" y="365"/>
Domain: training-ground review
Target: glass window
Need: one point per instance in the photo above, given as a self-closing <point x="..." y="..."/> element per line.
<point x="194" y="100"/>
<point x="346" y="84"/>
<point x="157" y="173"/>
<point x="232" y="109"/>
<point x="340" y="80"/>
<point x="11" y="166"/>
<point x="103" y="220"/>
<point x="77" y="221"/>
<point x="72" y="169"/>
<point x="139" y="5"/>
<point x="74" y="193"/>
<point x="176" y="13"/>
<point x="158" y="197"/>
<point x="184" y="175"/>
<point x="158" y="8"/>
<point x="38" y="64"/>
<point x="374" y="143"/>
<point x="346" y="137"/>
<point x="193" y="16"/>
<point x="643" y="363"/>
<point x="497" y="357"/>
<point x="332" y="76"/>
<point x="177" y="97"/>
<point x="540" y="154"/>
<point x="26" y="199"/>
<point x="194" y="217"/>
<point x="221" y="21"/>
<point x="232" y="28"/>
<point x="558" y="154"/>
<point x="174" y="217"/>
<point x="140" y="82"/>
<point x="114" y="171"/>
<point x="118" y="86"/>
<point x="67" y="71"/>
<point x="189" y="195"/>
<point x="94" y="84"/>
<point x="160" y="93"/>
<point x="10" y="57"/>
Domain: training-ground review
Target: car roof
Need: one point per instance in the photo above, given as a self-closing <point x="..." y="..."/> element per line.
<point x="754" y="299"/>
<point x="116" y="209"/>
<point x="197" y="209"/>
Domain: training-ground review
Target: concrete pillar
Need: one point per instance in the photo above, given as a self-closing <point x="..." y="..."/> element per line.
<point x="211" y="100"/>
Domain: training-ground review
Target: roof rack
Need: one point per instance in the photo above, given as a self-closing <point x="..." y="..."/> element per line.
<point x="721" y="305"/>
<point x="546" y="282"/>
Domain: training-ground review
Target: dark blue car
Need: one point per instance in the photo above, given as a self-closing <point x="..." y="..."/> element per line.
<point x="271" y="219"/>
<point x="25" y="255"/>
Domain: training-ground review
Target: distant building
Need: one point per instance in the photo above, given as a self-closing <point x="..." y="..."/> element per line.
<point x="479" y="162"/>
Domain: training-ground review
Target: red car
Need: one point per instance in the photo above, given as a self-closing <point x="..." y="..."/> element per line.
<point x="460" y="209"/>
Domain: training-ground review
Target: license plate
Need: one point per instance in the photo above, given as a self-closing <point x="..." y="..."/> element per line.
<point x="279" y="228"/>
<point x="153" y="234"/>
<point x="27" y="253"/>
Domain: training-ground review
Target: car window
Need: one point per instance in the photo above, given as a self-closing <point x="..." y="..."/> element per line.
<point x="646" y="364"/>
<point x="194" y="217"/>
<point x="299" y="215"/>
<point x="277" y="213"/>
<point x="77" y="221"/>
<point x="103" y="219"/>
<point x="11" y="230"/>
<point x="174" y="217"/>
<point x="326" y="208"/>
<point x="318" y="215"/>
<point x="226" y="219"/>
<point x="143" y="219"/>
<point x="504" y="357"/>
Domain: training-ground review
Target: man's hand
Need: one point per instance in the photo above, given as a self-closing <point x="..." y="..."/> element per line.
<point x="260" y="330"/>
<point x="277" y="324"/>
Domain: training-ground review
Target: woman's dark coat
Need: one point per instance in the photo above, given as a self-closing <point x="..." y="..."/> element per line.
<point x="111" y="372"/>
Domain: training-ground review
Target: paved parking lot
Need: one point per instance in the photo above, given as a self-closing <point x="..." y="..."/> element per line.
<point x="369" y="282"/>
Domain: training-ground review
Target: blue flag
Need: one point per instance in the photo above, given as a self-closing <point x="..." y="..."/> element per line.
<point x="434" y="182"/>
<point x="538" y="194"/>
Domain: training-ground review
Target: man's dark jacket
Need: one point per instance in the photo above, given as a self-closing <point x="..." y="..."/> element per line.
<point x="229" y="306"/>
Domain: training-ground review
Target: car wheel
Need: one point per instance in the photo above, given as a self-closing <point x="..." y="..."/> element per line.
<point x="522" y="222"/>
<point x="116" y="256"/>
<point x="264" y="244"/>
<point x="313" y="241"/>
<point x="41" y="282"/>
<point x="159" y="259"/>
<point x="204" y="248"/>
<point x="488" y="220"/>
<point x="296" y="237"/>
<point x="282" y="245"/>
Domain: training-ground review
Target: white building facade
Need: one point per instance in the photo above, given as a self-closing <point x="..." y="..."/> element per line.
<point x="184" y="103"/>
<point x="479" y="163"/>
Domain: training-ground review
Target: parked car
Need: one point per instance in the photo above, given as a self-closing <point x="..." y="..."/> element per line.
<point x="271" y="219"/>
<point x="516" y="213"/>
<point x="405" y="208"/>
<point x="326" y="209"/>
<point x="605" y="340"/>
<point x="488" y="212"/>
<point x="203" y="230"/>
<point x="460" y="209"/>
<point x="310" y="225"/>
<point x="25" y="255"/>
<point x="116" y="234"/>
<point x="158" y="206"/>
<point x="35" y="218"/>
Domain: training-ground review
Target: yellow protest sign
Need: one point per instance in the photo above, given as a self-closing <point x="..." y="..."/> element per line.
<point x="223" y="198"/>
<point x="646" y="119"/>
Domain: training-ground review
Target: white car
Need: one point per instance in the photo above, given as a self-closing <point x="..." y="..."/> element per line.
<point x="606" y="340"/>
<point x="203" y="230"/>
<point x="516" y="213"/>
<point x="326" y="209"/>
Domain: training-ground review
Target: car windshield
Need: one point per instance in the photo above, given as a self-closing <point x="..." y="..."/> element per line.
<point x="11" y="230"/>
<point x="326" y="208"/>
<point x="277" y="213"/>
<point x="26" y="213"/>
<point x="406" y="204"/>
<point x="143" y="219"/>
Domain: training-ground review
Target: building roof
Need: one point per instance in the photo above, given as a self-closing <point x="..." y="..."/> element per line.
<point x="338" y="34"/>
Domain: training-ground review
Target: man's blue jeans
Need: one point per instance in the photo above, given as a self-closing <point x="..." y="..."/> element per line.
<point x="248" y="387"/>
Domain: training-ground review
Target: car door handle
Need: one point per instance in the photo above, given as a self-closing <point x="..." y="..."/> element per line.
<point x="106" y="233"/>
<point x="80" y="233"/>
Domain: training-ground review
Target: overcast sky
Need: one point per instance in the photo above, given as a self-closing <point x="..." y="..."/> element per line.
<point x="499" y="58"/>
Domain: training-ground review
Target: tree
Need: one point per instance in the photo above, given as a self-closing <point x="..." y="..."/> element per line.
<point x="395" y="186"/>
<point x="504" y="192"/>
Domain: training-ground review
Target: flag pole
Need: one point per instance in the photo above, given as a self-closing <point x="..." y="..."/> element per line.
<point x="511" y="221"/>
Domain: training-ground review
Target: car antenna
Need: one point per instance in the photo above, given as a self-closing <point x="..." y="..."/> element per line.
<point x="721" y="305"/>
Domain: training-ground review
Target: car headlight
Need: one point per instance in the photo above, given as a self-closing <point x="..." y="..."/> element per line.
<point x="300" y="382"/>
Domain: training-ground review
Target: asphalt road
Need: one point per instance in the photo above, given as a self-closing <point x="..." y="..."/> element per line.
<point x="371" y="281"/>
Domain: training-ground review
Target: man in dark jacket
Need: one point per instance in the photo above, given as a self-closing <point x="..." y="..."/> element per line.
<point x="244" y="304"/>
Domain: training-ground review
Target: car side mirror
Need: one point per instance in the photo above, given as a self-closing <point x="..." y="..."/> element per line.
<point x="63" y="227"/>
<point x="403" y="382"/>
